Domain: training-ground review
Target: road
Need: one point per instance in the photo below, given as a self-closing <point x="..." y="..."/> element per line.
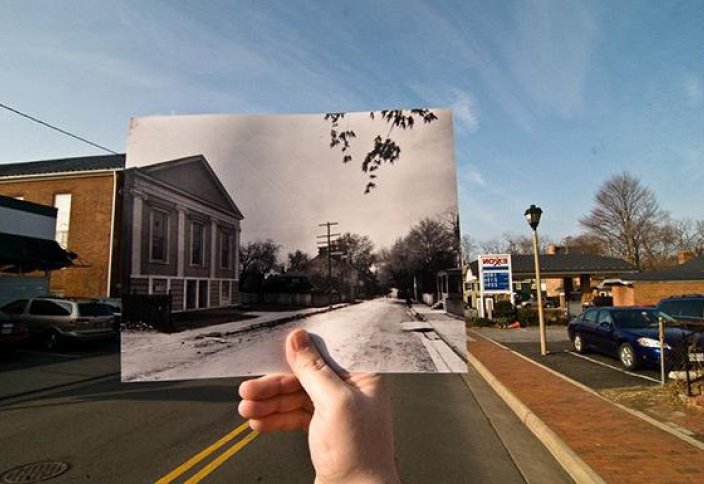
<point x="593" y="370"/>
<point x="449" y="428"/>
<point x="369" y="336"/>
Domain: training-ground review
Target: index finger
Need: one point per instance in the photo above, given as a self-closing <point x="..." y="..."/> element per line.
<point x="269" y="386"/>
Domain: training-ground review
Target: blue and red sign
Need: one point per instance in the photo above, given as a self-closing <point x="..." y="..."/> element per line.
<point x="495" y="273"/>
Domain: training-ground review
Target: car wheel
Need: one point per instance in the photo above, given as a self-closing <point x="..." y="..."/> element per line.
<point x="578" y="344"/>
<point x="627" y="355"/>
<point x="51" y="341"/>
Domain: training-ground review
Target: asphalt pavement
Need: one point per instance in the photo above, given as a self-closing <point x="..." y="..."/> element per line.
<point x="449" y="428"/>
<point x="593" y="370"/>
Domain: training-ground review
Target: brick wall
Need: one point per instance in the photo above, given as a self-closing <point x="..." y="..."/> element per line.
<point x="89" y="227"/>
<point x="647" y="293"/>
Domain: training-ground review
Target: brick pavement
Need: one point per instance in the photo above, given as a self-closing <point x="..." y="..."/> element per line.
<point x="617" y="445"/>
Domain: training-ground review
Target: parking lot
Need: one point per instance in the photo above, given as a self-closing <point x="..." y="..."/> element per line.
<point x="596" y="371"/>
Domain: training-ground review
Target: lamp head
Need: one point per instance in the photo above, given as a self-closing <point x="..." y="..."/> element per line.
<point x="533" y="216"/>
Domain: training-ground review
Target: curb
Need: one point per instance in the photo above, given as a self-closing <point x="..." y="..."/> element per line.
<point x="269" y="324"/>
<point x="636" y="413"/>
<point x="568" y="459"/>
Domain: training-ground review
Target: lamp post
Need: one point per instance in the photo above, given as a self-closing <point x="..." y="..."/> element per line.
<point x="533" y="217"/>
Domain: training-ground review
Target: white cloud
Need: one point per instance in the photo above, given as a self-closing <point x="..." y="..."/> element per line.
<point x="694" y="90"/>
<point x="466" y="112"/>
<point x="470" y="175"/>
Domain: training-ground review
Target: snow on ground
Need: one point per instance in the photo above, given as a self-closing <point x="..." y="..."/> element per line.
<point x="361" y="337"/>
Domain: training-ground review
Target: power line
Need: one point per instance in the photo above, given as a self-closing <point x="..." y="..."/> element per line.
<point x="67" y="133"/>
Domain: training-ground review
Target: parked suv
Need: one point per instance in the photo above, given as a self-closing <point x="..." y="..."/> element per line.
<point x="56" y="319"/>
<point x="688" y="309"/>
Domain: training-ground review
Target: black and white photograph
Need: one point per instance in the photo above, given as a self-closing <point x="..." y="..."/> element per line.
<point x="237" y="229"/>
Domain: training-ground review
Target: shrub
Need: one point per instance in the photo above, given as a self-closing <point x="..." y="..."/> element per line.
<point x="482" y="322"/>
<point x="504" y="309"/>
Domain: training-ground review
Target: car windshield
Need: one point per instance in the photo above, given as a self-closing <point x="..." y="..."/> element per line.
<point x="94" y="309"/>
<point x="636" y="318"/>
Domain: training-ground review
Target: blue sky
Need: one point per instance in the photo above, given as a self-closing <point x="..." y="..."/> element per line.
<point x="550" y="98"/>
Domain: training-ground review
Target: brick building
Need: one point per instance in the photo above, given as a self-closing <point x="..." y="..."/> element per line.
<point x="570" y="278"/>
<point x="180" y="234"/>
<point x="649" y="288"/>
<point x="84" y="191"/>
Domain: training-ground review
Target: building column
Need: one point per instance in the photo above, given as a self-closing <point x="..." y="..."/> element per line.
<point x="181" y="242"/>
<point x="585" y="287"/>
<point x="236" y="252"/>
<point x="214" y="261"/>
<point x="137" y="212"/>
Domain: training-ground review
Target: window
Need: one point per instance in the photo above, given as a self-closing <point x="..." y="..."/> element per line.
<point x="159" y="286"/>
<point x="197" y="244"/>
<point x="692" y="308"/>
<point x="159" y="236"/>
<point x="49" y="308"/>
<point x="191" y="293"/>
<point x="62" y="202"/>
<point x="16" y="307"/>
<point x="225" y="291"/>
<point x="202" y="294"/>
<point x="225" y="250"/>
<point x="605" y="318"/>
<point x="590" y="315"/>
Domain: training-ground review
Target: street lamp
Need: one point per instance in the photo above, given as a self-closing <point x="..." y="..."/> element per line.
<point x="533" y="215"/>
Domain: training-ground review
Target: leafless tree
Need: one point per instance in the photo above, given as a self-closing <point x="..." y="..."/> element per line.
<point x="626" y="218"/>
<point x="515" y="244"/>
<point x="469" y="248"/>
<point x="584" y="243"/>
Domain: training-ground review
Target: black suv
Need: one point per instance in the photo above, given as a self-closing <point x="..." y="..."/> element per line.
<point x="688" y="309"/>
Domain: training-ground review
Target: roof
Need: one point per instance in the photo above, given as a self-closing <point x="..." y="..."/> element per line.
<point x="192" y="175"/>
<point x="564" y="265"/>
<point x="692" y="270"/>
<point x="22" y="254"/>
<point x="25" y="206"/>
<point x="63" y="165"/>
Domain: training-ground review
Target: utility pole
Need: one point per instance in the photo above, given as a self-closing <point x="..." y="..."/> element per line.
<point x="328" y="248"/>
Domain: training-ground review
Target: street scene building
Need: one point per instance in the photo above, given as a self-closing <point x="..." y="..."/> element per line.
<point x="569" y="280"/>
<point x="84" y="192"/>
<point x="181" y="232"/>
<point x="28" y="251"/>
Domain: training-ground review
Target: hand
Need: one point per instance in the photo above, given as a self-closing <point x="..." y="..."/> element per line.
<point x="347" y="417"/>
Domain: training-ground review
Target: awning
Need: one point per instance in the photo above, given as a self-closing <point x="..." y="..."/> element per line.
<point x="19" y="254"/>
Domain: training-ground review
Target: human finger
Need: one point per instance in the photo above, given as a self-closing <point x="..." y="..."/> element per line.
<point x="277" y="404"/>
<point x="298" y="419"/>
<point x="313" y="372"/>
<point x="269" y="386"/>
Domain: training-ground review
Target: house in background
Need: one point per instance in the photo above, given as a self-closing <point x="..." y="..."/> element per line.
<point x="180" y="235"/>
<point x="84" y="191"/>
<point x="648" y="288"/>
<point x="569" y="278"/>
<point x="348" y="281"/>
<point x="28" y="251"/>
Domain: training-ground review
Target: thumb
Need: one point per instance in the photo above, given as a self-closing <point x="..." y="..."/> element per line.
<point x="316" y="377"/>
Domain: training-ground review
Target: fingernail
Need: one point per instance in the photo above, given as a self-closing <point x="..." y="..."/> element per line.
<point x="300" y="341"/>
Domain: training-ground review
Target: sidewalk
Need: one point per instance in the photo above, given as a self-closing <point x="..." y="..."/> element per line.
<point x="580" y="427"/>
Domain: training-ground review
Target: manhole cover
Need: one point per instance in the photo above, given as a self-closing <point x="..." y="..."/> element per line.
<point x="39" y="471"/>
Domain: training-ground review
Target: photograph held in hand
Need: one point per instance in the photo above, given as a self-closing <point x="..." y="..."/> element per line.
<point x="238" y="229"/>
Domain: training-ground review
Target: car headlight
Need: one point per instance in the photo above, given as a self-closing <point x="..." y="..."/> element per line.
<point x="651" y="343"/>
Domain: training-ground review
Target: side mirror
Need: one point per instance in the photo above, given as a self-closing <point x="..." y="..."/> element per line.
<point x="606" y="325"/>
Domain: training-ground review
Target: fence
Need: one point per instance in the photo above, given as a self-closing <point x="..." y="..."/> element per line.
<point x="297" y="299"/>
<point x="687" y="358"/>
<point x="143" y="311"/>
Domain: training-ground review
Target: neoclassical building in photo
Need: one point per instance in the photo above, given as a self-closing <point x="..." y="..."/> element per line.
<point x="181" y="234"/>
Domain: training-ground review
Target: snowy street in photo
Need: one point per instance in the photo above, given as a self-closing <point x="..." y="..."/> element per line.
<point x="380" y="335"/>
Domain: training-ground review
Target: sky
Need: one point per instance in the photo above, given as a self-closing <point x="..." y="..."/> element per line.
<point x="549" y="98"/>
<point x="285" y="179"/>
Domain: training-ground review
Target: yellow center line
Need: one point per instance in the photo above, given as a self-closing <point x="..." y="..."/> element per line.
<point x="222" y="458"/>
<point x="202" y="455"/>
